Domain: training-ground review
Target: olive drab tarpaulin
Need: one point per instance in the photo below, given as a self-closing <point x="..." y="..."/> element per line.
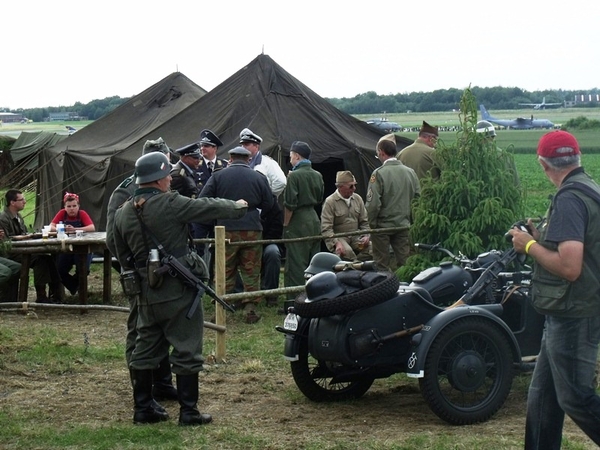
<point x="95" y="159"/>
<point x="261" y="96"/>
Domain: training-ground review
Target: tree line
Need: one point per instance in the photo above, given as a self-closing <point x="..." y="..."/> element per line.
<point x="89" y="111"/>
<point x="367" y="103"/>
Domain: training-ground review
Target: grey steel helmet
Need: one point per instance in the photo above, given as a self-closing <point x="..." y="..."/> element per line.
<point x="151" y="167"/>
<point x="322" y="286"/>
<point x="321" y="262"/>
<point x="483" y="126"/>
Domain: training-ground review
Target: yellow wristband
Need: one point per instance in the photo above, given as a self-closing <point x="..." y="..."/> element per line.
<point x="528" y="245"/>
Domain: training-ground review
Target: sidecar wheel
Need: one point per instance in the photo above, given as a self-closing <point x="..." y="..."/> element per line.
<point x="357" y="300"/>
<point x="468" y="372"/>
<point x="315" y="379"/>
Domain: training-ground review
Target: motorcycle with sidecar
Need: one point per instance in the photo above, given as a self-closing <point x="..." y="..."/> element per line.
<point x="461" y="329"/>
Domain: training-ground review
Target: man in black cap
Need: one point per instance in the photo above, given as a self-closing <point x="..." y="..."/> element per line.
<point x="263" y="163"/>
<point x="420" y="155"/>
<point x="240" y="179"/>
<point x="303" y="192"/>
<point x="209" y="143"/>
<point x="183" y="174"/>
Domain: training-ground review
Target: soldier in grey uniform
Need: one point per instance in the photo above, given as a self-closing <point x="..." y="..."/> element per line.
<point x="162" y="323"/>
<point x="162" y="377"/>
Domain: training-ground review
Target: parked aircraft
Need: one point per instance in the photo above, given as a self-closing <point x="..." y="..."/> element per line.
<point x="385" y="125"/>
<point x="542" y="105"/>
<point x="520" y="123"/>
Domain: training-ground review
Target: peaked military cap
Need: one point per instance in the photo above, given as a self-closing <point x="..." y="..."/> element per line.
<point x="210" y="138"/>
<point x="248" y="136"/>
<point x="239" y="151"/>
<point x="189" y="150"/>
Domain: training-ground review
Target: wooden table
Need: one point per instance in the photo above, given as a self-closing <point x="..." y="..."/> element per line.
<point x="94" y="242"/>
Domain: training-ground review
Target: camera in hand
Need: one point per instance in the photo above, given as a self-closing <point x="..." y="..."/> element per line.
<point x="521" y="225"/>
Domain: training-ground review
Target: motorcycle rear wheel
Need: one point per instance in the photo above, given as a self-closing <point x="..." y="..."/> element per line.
<point x="314" y="379"/>
<point x="468" y="372"/>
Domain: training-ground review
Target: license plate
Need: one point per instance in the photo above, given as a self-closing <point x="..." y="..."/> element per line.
<point x="290" y="322"/>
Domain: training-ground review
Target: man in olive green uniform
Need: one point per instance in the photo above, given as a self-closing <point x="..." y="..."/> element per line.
<point x="303" y="192"/>
<point x="162" y="307"/>
<point x="162" y="378"/>
<point x="392" y="188"/>
<point x="420" y="155"/>
<point x="344" y="211"/>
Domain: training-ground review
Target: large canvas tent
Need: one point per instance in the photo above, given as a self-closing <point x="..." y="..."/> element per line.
<point x="84" y="163"/>
<point x="261" y="96"/>
<point x="23" y="156"/>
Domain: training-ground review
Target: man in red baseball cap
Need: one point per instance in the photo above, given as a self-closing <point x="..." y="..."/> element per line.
<point x="566" y="289"/>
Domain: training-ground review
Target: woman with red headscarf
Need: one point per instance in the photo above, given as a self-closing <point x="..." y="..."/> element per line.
<point x="74" y="219"/>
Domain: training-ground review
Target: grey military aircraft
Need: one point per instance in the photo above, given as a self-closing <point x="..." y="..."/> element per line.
<point x="385" y="125"/>
<point x="542" y="105"/>
<point x="520" y="123"/>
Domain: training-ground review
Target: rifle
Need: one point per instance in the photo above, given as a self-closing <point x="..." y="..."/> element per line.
<point x="175" y="268"/>
<point x="483" y="282"/>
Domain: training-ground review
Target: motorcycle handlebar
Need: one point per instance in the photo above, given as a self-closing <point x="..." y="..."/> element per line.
<point x="438" y="248"/>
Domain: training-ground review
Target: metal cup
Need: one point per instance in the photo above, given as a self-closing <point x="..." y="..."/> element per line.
<point x="78" y="233"/>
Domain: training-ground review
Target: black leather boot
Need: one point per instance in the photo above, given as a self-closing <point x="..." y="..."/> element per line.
<point x="144" y="410"/>
<point x="40" y="292"/>
<point x="55" y="292"/>
<point x="162" y="380"/>
<point x="157" y="406"/>
<point x="187" y="389"/>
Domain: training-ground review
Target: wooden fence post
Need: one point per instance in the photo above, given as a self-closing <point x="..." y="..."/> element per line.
<point x="220" y="317"/>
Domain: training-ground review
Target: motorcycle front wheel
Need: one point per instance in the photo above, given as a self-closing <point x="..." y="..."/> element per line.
<point x="315" y="379"/>
<point x="468" y="372"/>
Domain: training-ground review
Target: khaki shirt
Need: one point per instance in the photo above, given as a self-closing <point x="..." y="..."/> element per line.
<point x="338" y="217"/>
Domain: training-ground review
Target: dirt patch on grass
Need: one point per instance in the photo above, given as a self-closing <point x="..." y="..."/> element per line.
<point x="246" y="394"/>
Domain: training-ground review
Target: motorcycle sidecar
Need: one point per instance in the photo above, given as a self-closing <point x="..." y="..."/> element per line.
<point x="466" y="372"/>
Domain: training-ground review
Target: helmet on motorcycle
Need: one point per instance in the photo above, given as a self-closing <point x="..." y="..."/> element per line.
<point x="322" y="286"/>
<point x="483" y="126"/>
<point x="151" y="167"/>
<point x="321" y="262"/>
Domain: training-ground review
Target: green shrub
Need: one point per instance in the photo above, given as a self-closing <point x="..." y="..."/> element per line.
<point x="473" y="203"/>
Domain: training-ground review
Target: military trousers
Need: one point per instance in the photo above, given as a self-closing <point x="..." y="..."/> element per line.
<point x="243" y="258"/>
<point x="164" y="325"/>
<point x="399" y="242"/>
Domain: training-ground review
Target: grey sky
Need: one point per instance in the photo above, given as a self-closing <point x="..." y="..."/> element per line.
<point x="57" y="53"/>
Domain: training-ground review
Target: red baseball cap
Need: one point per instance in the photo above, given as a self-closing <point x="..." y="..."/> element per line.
<point x="556" y="144"/>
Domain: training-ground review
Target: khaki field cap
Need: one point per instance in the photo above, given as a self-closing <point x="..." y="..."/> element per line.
<point x="387" y="137"/>
<point x="344" y="176"/>
<point x="426" y="128"/>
